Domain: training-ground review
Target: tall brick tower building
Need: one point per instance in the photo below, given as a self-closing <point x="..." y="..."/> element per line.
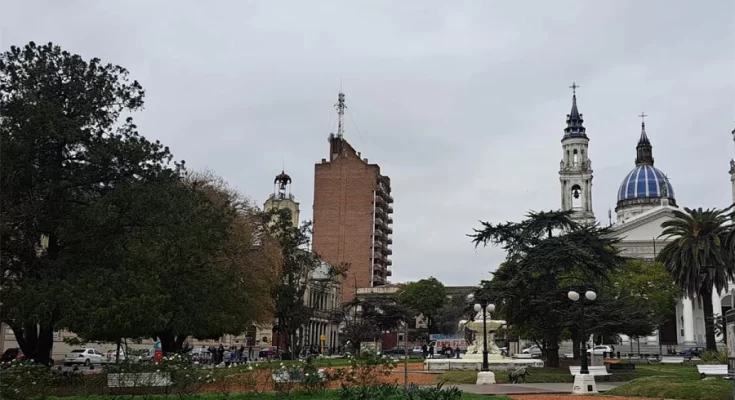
<point x="352" y="213"/>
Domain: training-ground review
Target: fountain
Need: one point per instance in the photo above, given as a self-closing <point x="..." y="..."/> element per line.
<point x="472" y="359"/>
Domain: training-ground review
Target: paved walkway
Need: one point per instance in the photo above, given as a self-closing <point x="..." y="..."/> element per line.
<point x="531" y="388"/>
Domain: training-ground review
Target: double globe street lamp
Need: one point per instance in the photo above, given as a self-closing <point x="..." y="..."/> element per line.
<point x="589" y="295"/>
<point x="486" y="307"/>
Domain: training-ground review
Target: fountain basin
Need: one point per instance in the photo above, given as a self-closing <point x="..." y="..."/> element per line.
<point x="475" y="364"/>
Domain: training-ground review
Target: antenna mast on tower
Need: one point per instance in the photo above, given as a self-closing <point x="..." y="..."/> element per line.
<point x="340" y="106"/>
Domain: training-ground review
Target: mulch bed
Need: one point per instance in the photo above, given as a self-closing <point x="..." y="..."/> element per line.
<point x="264" y="382"/>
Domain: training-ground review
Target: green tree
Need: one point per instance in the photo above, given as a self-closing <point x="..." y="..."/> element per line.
<point x="298" y="268"/>
<point x="62" y="145"/>
<point x="182" y="258"/>
<point x="456" y="309"/>
<point x="547" y="253"/>
<point x="425" y="297"/>
<point x="364" y="319"/>
<point x="697" y="257"/>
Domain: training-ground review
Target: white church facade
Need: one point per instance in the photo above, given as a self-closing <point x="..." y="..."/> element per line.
<point x="645" y="199"/>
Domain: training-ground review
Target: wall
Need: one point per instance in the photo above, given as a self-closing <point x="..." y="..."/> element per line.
<point x="343" y="217"/>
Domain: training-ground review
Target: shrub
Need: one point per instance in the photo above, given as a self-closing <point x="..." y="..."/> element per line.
<point x="376" y="392"/>
<point x="714" y="357"/>
<point x="22" y="379"/>
<point x="432" y="393"/>
<point x="367" y="369"/>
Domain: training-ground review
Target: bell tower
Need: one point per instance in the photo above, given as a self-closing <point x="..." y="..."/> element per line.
<point x="575" y="169"/>
<point x="282" y="198"/>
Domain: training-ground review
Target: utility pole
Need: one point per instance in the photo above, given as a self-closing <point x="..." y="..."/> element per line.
<point x="405" y="358"/>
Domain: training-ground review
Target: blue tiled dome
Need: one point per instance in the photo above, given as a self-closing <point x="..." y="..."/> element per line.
<point x="644" y="181"/>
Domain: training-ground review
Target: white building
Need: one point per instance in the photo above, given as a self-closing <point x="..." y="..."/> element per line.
<point x="645" y="200"/>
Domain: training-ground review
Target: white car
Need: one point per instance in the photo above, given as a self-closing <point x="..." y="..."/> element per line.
<point x="112" y="357"/>
<point x="533" y="350"/>
<point x="598" y="350"/>
<point x="86" y="356"/>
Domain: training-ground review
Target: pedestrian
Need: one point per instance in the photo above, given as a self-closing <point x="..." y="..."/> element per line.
<point x="425" y="351"/>
<point x="431" y="351"/>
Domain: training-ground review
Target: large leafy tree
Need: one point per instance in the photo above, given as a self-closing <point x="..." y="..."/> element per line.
<point x="547" y="253"/>
<point x="697" y="257"/>
<point x="181" y="257"/>
<point x="634" y="299"/>
<point x="425" y="297"/>
<point x="62" y="145"/>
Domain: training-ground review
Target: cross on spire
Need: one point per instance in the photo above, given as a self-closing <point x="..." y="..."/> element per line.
<point x="574" y="88"/>
<point x="643" y="117"/>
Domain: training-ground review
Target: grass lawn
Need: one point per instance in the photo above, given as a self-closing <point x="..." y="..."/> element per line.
<point x="327" y="395"/>
<point x="562" y="375"/>
<point x="675" y="388"/>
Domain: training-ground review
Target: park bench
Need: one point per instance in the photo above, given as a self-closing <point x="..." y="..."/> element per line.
<point x="522" y="356"/>
<point x="594" y="371"/>
<point x="138" y="379"/>
<point x="712" y="370"/>
<point x="672" y="360"/>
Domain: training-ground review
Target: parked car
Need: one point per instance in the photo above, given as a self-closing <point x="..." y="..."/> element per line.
<point x="693" y="352"/>
<point x="270" y="353"/>
<point x="112" y="357"/>
<point x="86" y="356"/>
<point x="14" y="353"/>
<point x="534" y="350"/>
<point x="599" y="350"/>
<point x="395" y="351"/>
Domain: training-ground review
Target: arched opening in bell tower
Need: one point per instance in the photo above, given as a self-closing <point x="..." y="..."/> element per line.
<point x="576" y="196"/>
<point x="575" y="158"/>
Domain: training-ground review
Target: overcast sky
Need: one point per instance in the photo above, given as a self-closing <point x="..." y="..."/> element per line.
<point x="462" y="103"/>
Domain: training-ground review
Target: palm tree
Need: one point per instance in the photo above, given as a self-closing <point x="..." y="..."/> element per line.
<point x="697" y="258"/>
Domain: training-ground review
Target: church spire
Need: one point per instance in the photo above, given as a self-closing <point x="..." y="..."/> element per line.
<point x="644" y="150"/>
<point x="575" y="122"/>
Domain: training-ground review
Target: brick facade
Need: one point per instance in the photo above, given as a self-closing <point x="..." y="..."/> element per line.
<point x="351" y="214"/>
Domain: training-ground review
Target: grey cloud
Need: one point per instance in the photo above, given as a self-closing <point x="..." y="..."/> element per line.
<point x="462" y="103"/>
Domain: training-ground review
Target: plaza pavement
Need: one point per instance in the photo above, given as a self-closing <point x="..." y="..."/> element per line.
<point x="531" y="388"/>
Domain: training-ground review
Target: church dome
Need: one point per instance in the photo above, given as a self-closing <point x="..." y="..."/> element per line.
<point x="645" y="182"/>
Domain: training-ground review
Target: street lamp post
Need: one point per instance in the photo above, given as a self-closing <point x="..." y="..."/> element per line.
<point x="590" y="296"/>
<point x="486" y="308"/>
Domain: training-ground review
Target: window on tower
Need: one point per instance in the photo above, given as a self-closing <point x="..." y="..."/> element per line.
<point x="575" y="158"/>
<point x="576" y="196"/>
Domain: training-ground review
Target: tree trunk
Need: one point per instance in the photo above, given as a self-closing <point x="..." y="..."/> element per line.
<point x="117" y="351"/>
<point x="35" y="341"/>
<point x="575" y="343"/>
<point x="552" y="350"/>
<point x="709" y="326"/>
<point x="170" y="343"/>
